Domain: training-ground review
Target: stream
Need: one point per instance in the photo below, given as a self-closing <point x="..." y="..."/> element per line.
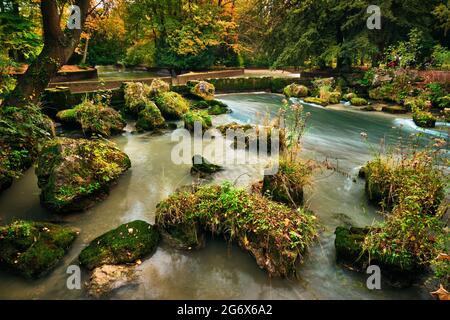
<point x="221" y="270"/>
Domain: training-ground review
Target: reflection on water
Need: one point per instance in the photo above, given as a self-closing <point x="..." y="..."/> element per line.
<point x="220" y="271"/>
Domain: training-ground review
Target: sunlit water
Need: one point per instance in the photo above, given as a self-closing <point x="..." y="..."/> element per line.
<point x="222" y="271"/>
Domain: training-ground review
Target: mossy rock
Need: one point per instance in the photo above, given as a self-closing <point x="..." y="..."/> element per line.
<point x="201" y="117"/>
<point x="150" y="118"/>
<point x="202" y="167"/>
<point x="93" y="119"/>
<point x="32" y="249"/>
<point x="295" y="91"/>
<point x="357" y="102"/>
<point x="217" y="107"/>
<point x="74" y="174"/>
<point x="172" y="105"/>
<point x="318" y="101"/>
<point x="286" y="186"/>
<point x="349" y="96"/>
<point x="136" y="96"/>
<point x="157" y="87"/>
<point x="335" y="97"/>
<point x="368" y="108"/>
<point x="202" y="89"/>
<point x="424" y="119"/>
<point x="349" y="246"/>
<point x="276" y="235"/>
<point x="394" y="109"/>
<point x="126" y="244"/>
<point x="22" y="132"/>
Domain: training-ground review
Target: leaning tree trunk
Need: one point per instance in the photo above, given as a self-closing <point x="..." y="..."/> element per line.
<point x="59" y="45"/>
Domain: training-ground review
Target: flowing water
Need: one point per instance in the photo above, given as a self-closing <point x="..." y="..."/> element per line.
<point x="222" y="271"/>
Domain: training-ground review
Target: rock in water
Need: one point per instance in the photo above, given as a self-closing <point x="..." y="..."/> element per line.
<point x="172" y="105"/>
<point x="74" y="174"/>
<point x="203" y="167"/>
<point x="202" y="89"/>
<point x="126" y="244"/>
<point x="33" y="248"/>
<point x="107" y="278"/>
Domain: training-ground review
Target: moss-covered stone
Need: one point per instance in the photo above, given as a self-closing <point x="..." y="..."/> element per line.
<point x="199" y="116"/>
<point x="202" y="89"/>
<point x="349" y="246"/>
<point x="424" y="119"/>
<point x="286" y="186"/>
<point x="136" y="96"/>
<point x="394" y="109"/>
<point x="150" y="118"/>
<point x="158" y="86"/>
<point x="202" y="167"/>
<point x="335" y="97"/>
<point x="94" y="119"/>
<point x="33" y="248"/>
<point x="349" y="96"/>
<point x="277" y="236"/>
<point x="318" y="101"/>
<point x="126" y="244"/>
<point x="172" y="105"/>
<point x="217" y="107"/>
<point x="295" y="91"/>
<point x="74" y="174"/>
<point x="358" y="102"/>
<point x="22" y="131"/>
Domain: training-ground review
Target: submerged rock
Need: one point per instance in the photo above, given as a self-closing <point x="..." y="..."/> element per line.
<point x="358" y="102"/>
<point x="394" y="109"/>
<point x="108" y="278"/>
<point x="203" y="167"/>
<point x="201" y="89"/>
<point x="33" y="248"/>
<point x="93" y="119"/>
<point x="22" y="131"/>
<point x="126" y="244"/>
<point x="318" y="101"/>
<point x="172" y="105"/>
<point x="74" y="174"/>
<point x="277" y="236"/>
<point x="214" y="107"/>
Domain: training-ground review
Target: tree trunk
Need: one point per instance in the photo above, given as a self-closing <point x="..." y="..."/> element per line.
<point x="58" y="47"/>
<point x="85" y="53"/>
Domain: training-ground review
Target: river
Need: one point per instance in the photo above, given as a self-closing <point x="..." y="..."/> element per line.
<point x="223" y="271"/>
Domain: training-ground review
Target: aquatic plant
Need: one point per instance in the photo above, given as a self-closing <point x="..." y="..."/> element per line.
<point x="274" y="234"/>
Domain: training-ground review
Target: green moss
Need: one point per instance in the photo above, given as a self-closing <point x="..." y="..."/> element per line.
<point x="394" y="109"/>
<point x="22" y="131"/>
<point x="158" y="86"/>
<point x="33" y="248"/>
<point x="136" y="96"/>
<point x="201" y="89"/>
<point x="349" y="96"/>
<point x="286" y="186"/>
<point x="424" y="119"/>
<point x="202" y="117"/>
<point x="318" y="101"/>
<point x="150" y="118"/>
<point x="335" y="97"/>
<point x="172" y="105"/>
<point x="274" y="234"/>
<point x="126" y="244"/>
<point x="203" y="167"/>
<point x="68" y="116"/>
<point x="74" y="174"/>
<point x="295" y="91"/>
<point x="358" y="102"/>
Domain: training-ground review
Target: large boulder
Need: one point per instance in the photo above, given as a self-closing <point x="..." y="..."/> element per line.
<point x="128" y="243"/>
<point x="158" y="86"/>
<point x="150" y="118"/>
<point x="22" y="132"/>
<point x="197" y="116"/>
<point x="74" y="174"/>
<point x="32" y="249"/>
<point x="172" y="105"/>
<point x="295" y="91"/>
<point x="94" y="119"/>
<point x="202" y="89"/>
<point x="136" y="96"/>
<point x="107" y="278"/>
